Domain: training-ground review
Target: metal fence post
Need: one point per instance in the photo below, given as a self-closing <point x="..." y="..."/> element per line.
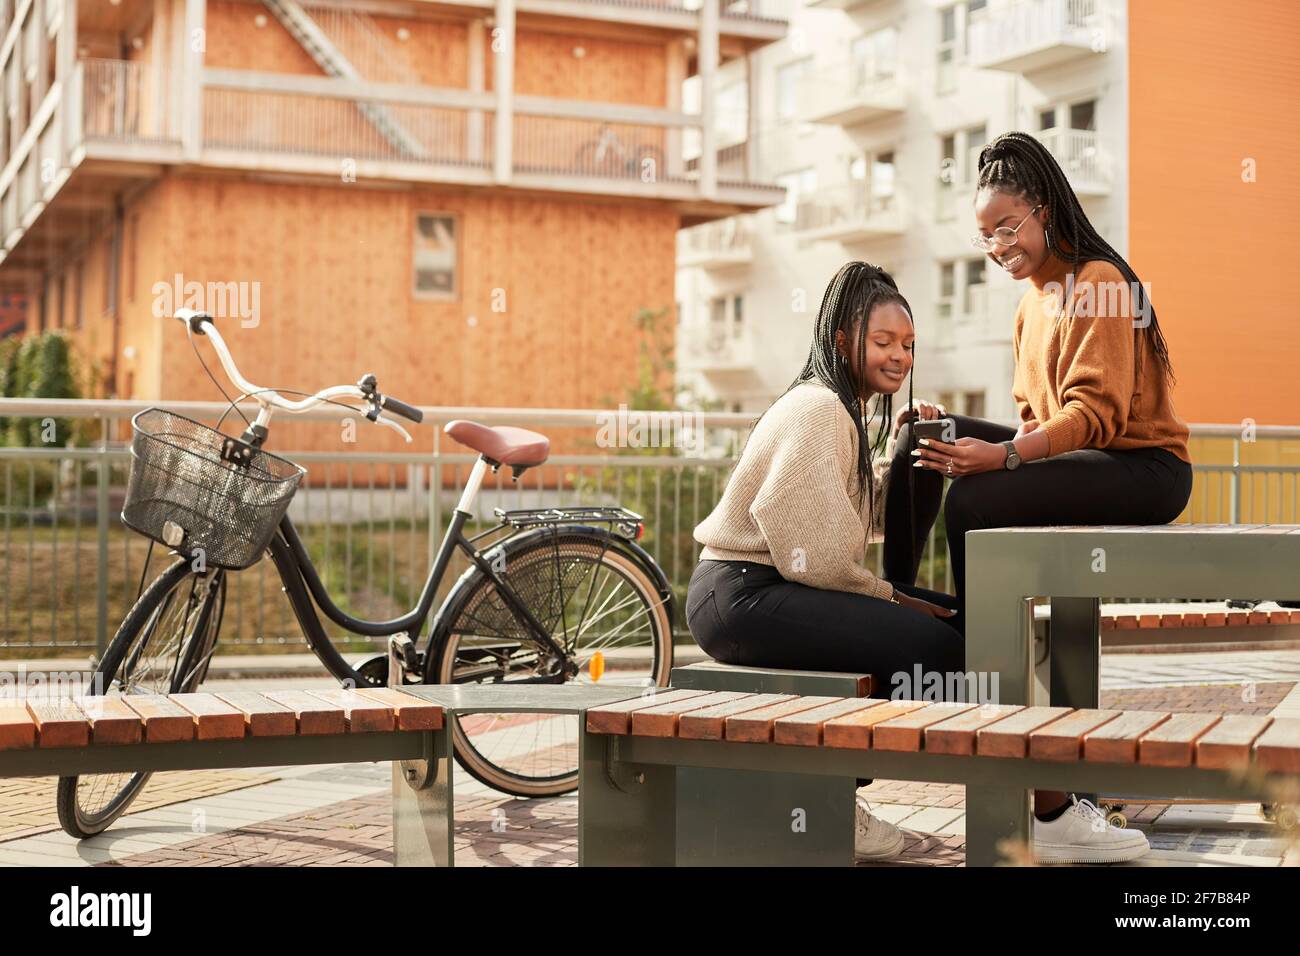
<point x="1235" y="504"/>
<point x="101" y="534"/>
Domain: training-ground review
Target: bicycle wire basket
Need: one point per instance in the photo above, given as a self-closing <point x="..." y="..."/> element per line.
<point x="183" y="494"/>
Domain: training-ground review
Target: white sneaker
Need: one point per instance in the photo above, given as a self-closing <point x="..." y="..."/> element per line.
<point x="874" y="838"/>
<point x="1083" y="835"/>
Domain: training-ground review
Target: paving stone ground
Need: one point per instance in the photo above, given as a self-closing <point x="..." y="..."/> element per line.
<point x="339" y="815"/>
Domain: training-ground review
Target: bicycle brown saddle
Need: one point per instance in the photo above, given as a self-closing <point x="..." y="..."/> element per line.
<point x="504" y="444"/>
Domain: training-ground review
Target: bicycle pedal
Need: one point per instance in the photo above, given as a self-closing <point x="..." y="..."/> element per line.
<point x="403" y="659"/>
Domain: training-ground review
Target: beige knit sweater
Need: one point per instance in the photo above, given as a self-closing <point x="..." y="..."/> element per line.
<point x="791" y="501"/>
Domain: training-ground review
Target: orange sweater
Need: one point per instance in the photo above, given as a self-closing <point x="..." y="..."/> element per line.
<point x="1085" y="372"/>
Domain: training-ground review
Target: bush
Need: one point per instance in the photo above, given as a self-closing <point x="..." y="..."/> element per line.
<point x="41" y="367"/>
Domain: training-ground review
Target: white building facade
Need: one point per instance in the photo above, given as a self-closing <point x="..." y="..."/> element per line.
<point x="871" y="113"/>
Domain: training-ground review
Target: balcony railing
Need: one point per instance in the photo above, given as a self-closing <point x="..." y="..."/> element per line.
<point x="717" y="347"/>
<point x="724" y="243"/>
<point x="849" y="212"/>
<point x="305" y="125"/>
<point x="1081" y="158"/>
<point x="751" y="9"/>
<point x="1035" y="34"/>
<point x="850" y="93"/>
<point x="121" y="101"/>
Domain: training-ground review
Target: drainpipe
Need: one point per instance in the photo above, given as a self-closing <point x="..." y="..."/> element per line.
<point x="114" y="293"/>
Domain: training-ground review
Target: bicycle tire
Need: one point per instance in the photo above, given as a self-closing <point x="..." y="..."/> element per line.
<point x="463" y="612"/>
<point x="192" y="667"/>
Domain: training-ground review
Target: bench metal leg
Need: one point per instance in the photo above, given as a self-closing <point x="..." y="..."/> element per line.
<point x="999" y="640"/>
<point x="423" y="806"/>
<point x="1075" y="636"/>
<point x="627" y="813"/>
<point x="751" y="818"/>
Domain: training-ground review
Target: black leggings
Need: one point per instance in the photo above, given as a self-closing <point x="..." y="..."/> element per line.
<point x="1085" y="487"/>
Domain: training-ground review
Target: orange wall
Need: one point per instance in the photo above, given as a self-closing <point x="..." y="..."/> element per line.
<point x="334" y="267"/>
<point x="1208" y="90"/>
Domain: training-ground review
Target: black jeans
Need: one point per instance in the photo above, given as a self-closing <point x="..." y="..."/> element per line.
<point x="741" y="612"/>
<point x="1085" y="487"/>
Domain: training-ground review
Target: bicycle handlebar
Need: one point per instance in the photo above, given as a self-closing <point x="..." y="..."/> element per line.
<point x="267" y="398"/>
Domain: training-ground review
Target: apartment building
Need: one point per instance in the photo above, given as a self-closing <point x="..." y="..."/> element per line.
<point x="471" y="198"/>
<point x="871" y="115"/>
<point x="1177" y="125"/>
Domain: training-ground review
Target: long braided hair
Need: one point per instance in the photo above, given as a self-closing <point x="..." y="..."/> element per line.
<point x="855" y="290"/>
<point x="1018" y="164"/>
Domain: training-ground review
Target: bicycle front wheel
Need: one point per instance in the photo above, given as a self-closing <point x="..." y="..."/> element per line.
<point x="591" y="594"/>
<point x="162" y="647"/>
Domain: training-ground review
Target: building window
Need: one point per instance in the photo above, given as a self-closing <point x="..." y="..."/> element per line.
<point x="974" y="404"/>
<point x="737" y="312"/>
<point x="796" y="186"/>
<point x="975" y="139"/>
<point x="787" y="88"/>
<point x="971" y="7"/>
<point x="1083" y="115"/>
<point x="976" y="301"/>
<point x="731" y="114"/>
<point x="874" y="57"/>
<point x="947" y="288"/>
<point x="434" y="256"/>
<point x="946" y="66"/>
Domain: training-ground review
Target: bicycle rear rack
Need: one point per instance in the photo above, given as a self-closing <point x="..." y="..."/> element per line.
<point x="625" y="522"/>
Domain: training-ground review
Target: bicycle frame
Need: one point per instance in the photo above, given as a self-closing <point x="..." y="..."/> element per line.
<point x="307" y="593"/>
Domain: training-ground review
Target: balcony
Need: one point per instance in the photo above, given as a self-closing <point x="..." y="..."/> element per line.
<point x="850" y="94"/>
<point x="717" y="246"/>
<point x="1083" y="161"/>
<point x="839" y="4"/>
<point x="1028" y="35"/>
<point x="847" y="213"/>
<point x="715" y="350"/>
<point x="743" y="25"/>
<point x="979" y="314"/>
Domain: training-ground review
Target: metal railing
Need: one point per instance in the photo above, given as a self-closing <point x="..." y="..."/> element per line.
<point x="119" y="101"/>
<point x="717" y="345"/>
<point x="733" y="236"/>
<point x="69" y="569"/>
<point x="998" y="32"/>
<point x="1079" y="155"/>
<point x="301" y="124"/>
<point x="843" y="204"/>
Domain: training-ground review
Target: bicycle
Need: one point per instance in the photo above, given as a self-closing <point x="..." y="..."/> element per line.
<point x="545" y="591"/>
<point x="607" y="156"/>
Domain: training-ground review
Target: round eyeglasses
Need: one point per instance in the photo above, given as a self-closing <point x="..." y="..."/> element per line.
<point x="1002" y="236"/>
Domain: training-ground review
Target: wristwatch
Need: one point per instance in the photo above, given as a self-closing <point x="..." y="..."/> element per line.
<point x="1013" y="456"/>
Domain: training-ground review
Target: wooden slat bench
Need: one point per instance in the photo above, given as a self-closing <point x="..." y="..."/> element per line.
<point x="203" y="731"/>
<point x="630" y="806"/>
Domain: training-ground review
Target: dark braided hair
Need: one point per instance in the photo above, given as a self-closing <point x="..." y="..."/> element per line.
<point x="857" y="288"/>
<point x="1020" y="165"/>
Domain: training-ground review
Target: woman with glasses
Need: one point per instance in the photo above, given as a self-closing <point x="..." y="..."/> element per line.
<point x="1099" y="441"/>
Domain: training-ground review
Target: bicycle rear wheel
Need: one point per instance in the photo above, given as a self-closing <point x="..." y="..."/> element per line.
<point x="162" y="647"/>
<point x="591" y="593"/>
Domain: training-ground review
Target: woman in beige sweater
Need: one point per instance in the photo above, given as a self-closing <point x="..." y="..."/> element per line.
<point x="780" y="581"/>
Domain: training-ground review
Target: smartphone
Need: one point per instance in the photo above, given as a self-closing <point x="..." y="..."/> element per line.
<point x="939" y="429"/>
